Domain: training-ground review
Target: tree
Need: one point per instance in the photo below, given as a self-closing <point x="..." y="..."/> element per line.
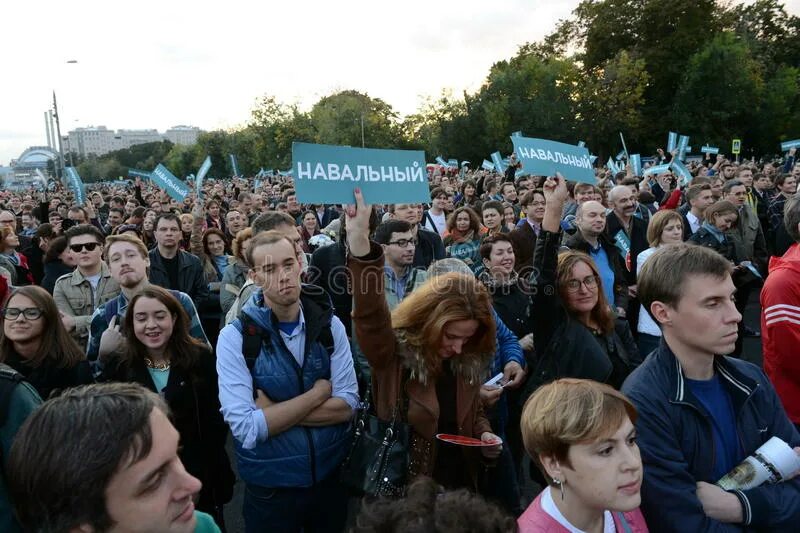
<point x="341" y="118"/>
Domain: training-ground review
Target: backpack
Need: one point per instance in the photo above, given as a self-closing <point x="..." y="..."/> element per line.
<point x="254" y="336"/>
<point x="9" y="379"/>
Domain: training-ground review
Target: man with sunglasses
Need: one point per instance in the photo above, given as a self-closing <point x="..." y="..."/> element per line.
<point x="90" y="285"/>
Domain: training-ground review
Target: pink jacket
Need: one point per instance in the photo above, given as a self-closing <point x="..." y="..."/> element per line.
<point x="536" y="520"/>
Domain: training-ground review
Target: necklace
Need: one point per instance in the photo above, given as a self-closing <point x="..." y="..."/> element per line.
<point x="156" y="366"/>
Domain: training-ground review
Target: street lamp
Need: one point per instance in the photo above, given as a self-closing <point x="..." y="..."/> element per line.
<point x="61" y="162"/>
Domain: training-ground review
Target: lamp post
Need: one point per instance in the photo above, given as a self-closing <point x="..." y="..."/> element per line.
<point x="61" y="161"/>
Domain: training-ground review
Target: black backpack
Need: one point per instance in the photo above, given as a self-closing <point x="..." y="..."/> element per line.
<point x="254" y="336"/>
<point x="9" y="380"/>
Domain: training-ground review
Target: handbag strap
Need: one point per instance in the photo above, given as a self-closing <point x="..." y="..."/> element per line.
<point x="626" y="528"/>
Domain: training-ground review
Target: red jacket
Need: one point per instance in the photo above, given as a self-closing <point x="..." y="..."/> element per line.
<point x="780" y="328"/>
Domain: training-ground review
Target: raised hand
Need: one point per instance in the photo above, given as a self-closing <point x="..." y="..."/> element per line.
<point x="357" y="225"/>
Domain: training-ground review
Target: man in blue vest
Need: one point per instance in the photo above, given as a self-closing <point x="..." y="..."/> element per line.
<point x="288" y="401"/>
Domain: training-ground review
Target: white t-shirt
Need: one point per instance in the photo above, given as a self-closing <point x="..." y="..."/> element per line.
<point x="440" y="222"/>
<point x="94" y="280"/>
<point x="646" y="323"/>
<point x="549" y="507"/>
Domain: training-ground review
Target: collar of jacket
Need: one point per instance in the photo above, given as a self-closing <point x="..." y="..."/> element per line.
<point x="740" y="385"/>
<point x="78" y="278"/>
<point x="315" y="308"/>
<point x="157" y="260"/>
<point x="473" y="368"/>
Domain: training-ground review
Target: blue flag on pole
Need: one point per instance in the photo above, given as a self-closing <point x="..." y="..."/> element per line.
<point x="138" y="174"/>
<point x="452" y="163"/>
<point x="499" y="166"/>
<point x="440" y="160"/>
<point x="636" y="164"/>
<point x="76" y="184"/>
<point x="709" y="150"/>
<point x="234" y="165"/>
<point x="198" y="180"/>
<point x="167" y="181"/>
<point x="672" y="141"/>
<point x="683" y="144"/>
<point x="487" y="165"/>
<point x="656" y="169"/>
<point x="541" y="157"/>
<point x="327" y="174"/>
<point x="680" y="169"/>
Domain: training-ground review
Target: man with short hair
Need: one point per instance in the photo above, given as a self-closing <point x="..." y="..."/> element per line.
<point x="702" y="413"/>
<point x="581" y="193"/>
<point x="698" y="198"/>
<point x="289" y="407"/>
<point x="527" y="231"/>
<point x="592" y="239"/>
<point x="629" y="234"/>
<point x="509" y="194"/>
<point x="293" y="207"/>
<point x="435" y="219"/>
<point x="173" y="268"/>
<point x="79" y="293"/>
<point x="29" y="224"/>
<point x="748" y="234"/>
<point x="429" y="247"/>
<point x="400" y="275"/>
<point x="786" y="187"/>
<point x="116" y="216"/>
<point x="115" y="468"/>
<point x="128" y="262"/>
<point x="234" y="223"/>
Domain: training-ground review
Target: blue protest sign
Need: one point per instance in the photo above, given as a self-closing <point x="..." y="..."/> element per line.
<point x="683" y="143"/>
<point x="672" y="141"/>
<point x="788" y="145"/>
<point x="620" y="155"/>
<point x="198" y="180"/>
<point x="440" y="160"/>
<point x="452" y="163"/>
<point x="256" y="184"/>
<point x="636" y="164"/>
<point x="680" y="169"/>
<point x="167" y="181"/>
<point x="76" y="184"/>
<point x="499" y="166"/>
<point x="541" y="157"/>
<point x="709" y="150"/>
<point x="611" y="165"/>
<point x="657" y="169"/>
<point x="234" y="165"/>
<point x="138" y="174"/>
<point x="328" y="174"/>
<point x="487" y="165"/>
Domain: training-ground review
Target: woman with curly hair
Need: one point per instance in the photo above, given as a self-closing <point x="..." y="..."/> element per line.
<point x="309" y="226"/>
<point x="429" y="357"/>
<point x="462" y="238"/>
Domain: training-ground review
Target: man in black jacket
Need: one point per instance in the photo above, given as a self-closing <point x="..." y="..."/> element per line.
<point x="171" y="267"/>
<point x="429" y="245"/>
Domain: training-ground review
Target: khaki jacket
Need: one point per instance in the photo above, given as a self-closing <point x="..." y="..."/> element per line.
<point x="74" y="297"/>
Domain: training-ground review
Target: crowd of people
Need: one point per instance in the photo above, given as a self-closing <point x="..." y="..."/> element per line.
<point x="584" y="338"/>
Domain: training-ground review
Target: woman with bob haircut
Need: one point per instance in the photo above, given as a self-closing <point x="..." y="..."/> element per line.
<point x="575" y="331"/>
<point x="462" y="238"/>
<point x="666" y="227"/>
<point x="35" y="343"/>
<point x="581" y="435"/>
<point x="162" y="356"/>
<point x="432" y="354"/>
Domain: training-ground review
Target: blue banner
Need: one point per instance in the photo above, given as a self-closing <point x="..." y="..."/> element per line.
<point x="683" y="143"/>
<point x="636" y="164"/>
<point x="621" y="155"/>
<point x="788" y="145"/>
<point x="75" y="183"/>
<point x="440" y="160"/>
<point x="327" y="174"/>
<point x="540" y="157"/>
<point x="234" y="165"/>
<point x="657" y="169"/>
<point x="487" y="165"/>
<point x="499" y="166"/>
<point x="138" y="174"/>
<point x="198" y="180"/>
<point x="709" y="150"/>
<point x="452" y="163"/>
<point x="167" y="181"/>
<point x="612" y="166"/>
<point x="672" y="141"/>
<point x="680" y="169"/>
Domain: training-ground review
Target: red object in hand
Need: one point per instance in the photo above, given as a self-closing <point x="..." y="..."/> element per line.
<point x="460" y="440"/>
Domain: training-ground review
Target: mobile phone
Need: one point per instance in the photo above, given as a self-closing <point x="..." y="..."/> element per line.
<point x="496" y="381"/>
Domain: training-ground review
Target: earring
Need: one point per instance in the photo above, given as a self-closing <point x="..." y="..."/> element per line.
<point x="560" y="486"/>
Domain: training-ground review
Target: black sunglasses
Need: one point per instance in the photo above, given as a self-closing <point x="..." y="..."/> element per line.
<point x="90" y="246"/>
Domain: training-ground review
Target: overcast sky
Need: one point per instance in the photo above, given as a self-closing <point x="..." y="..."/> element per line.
<point x="156" y="64"/>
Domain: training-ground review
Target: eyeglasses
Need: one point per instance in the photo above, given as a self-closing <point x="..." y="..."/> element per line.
<point x="403" y="243"/>
<point x="89" y="246"/>
<point x="590" y="282"/>
<point x="537" y="204"/>
<point x="30" y="313"/>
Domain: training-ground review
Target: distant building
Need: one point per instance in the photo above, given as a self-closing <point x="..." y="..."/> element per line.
<point x="101" y="140"/>
<point x="182" y="134"/>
